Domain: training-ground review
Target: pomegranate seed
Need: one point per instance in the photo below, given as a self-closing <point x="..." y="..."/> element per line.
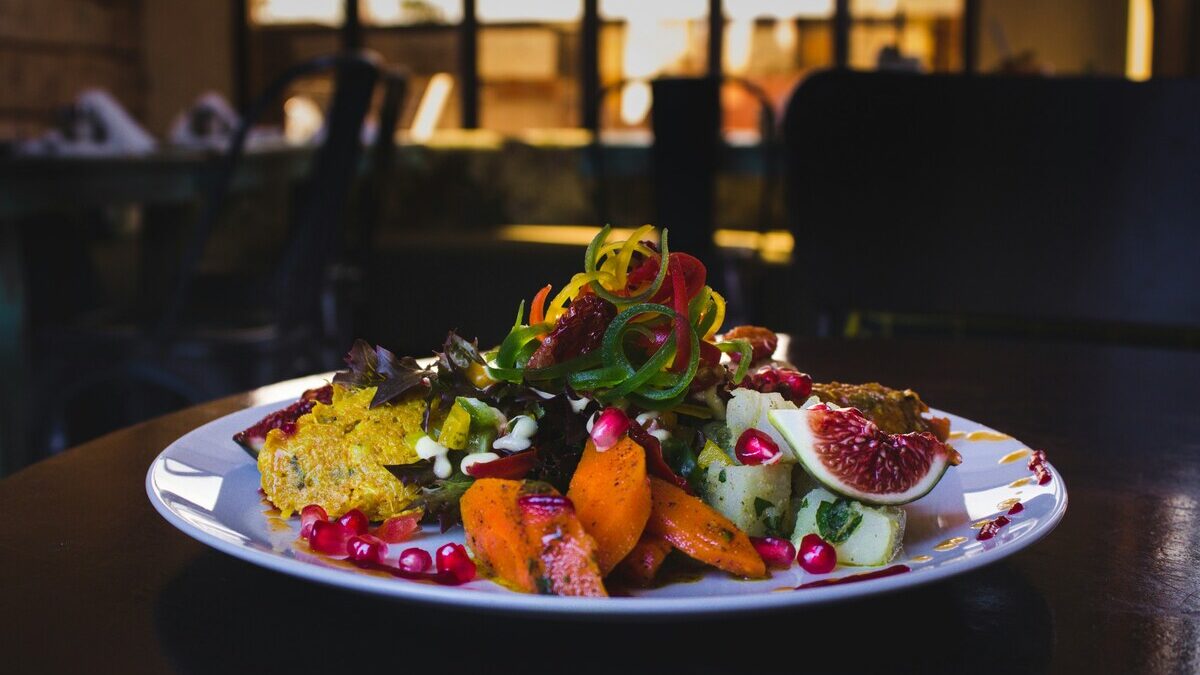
<point x="1016" y="508"/>
<point x="776" y="552"/>
<point x="329" y="537"/>
<point x="544" y="504"/>
<point x="792" y="385"/>
<point x="609" y="427"/>
<point x="755" y="447"/>
<point x="366" y="548"/>
<point x="415" y="560"/>
<point x="355" y="521"/>
<point x="817" y="556"/>
<point x="453" y="559"/>
<point x="398" y="529"/>
<point x="799" y="384"/>
<point x="992" y="528"/>
<point x="309" y="515"/>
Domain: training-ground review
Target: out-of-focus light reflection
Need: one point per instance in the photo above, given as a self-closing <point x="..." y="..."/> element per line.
<point x="778" y="9"/>
<point x="786" y="35"/>
<point x="739" y="34"/>
<point x="1139" y="41"/>
<point x="302" y="119"/>
<point x="636" y="98"/>
<point x="430" y="108"/>
<point x="773" y="246"/>
<point x="327" y="12"/>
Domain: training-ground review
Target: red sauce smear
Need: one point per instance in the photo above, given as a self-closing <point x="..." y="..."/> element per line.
<point x="1037" y="464"/>
<point x="441" y="578"/>
<point x="865" y="576"/>
<point x="992" y="528"/>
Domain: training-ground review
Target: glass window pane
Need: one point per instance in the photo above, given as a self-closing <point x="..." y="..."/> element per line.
<point x="528" y="76"/>
<point x="910" y="35"/>
<point x="640" y="41"/>
<point x="410" y="12"/>
<point x="778" y="9"/>
<point x="325" y="12"/>
<point x="430" y="55"/>
<point x="524" y="11"/>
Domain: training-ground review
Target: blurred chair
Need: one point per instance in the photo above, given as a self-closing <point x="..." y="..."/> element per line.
<point x="217" y="335"/>
<point x="685" y="120"/>
<point x="991" y="205"/>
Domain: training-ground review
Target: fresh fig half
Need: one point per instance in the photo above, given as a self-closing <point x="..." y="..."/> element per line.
<point x="850" y="455"/>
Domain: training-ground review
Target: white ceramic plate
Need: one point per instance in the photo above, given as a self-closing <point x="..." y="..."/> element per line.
<point x="207" y="486"/>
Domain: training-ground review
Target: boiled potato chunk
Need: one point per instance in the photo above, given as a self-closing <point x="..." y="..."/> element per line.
<point x="755" y="498"/>
<point x="875" y="540"/>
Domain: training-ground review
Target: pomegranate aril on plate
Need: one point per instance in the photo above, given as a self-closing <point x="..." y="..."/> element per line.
<point x="609" y="427"/>
<point x="452" y="559"/>
<point x="366" y="548"/>
<point x="816" y="555"/>
<point x="415" y="560"/>
<point x="354" y="521"/>
<point x="398" y="529"/>
<point x="329" y="537"/>
<point x="309" y="515"/>
<point x="775" y="552"/>
<point x="756" y="447"/>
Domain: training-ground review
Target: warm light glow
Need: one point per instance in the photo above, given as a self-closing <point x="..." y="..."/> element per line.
<point x="674" y="10"/>
<point x="778" y="9"/>
<point x="1139" y="42"/>
<point x="503" y="11"/>
<point x="636" y="98"/>
<point x="739" y="34"/>
<point x="651" y="45"/>
<point x="302" y="119"/>
<point x="327" y="12"/>
<point x="430" y="108"/>
<point x="774" y="246"/>
<point x="880" y="9"/>
<point x="401" y="12"/>
<point x="786" y="35"/>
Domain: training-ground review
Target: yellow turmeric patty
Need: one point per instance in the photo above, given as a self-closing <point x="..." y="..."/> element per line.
<point x="336" y="456"/>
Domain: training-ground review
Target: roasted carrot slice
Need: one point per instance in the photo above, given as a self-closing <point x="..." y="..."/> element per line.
<point x="611" y="493"/>
<point x="567" y="552"/>
<point x="699" y="531"/>
<point x="529" y="542"/>
<point x="496" y="534"/>
<point x="643" y="562"/>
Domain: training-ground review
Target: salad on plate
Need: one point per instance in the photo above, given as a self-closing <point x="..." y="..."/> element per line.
<point x="617" y="438"/>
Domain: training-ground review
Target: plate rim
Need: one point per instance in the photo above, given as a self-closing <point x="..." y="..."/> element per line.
<point x="613" y="607"/>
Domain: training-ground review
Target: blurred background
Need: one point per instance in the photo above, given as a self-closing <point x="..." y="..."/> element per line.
<point x="197" y="198"/>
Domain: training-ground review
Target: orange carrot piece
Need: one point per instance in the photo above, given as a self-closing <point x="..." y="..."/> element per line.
<point x="496" y="534"/>
<point x="699" y="531"/>
<point x="567" y="554"/>
<point x="538" y="550"/>
<point x="643" y="562"/>
<point x="537" y="310"/>
<point x="611" y="493"/>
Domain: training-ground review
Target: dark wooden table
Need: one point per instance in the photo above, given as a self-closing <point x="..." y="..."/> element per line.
<point x="94" y="580"/>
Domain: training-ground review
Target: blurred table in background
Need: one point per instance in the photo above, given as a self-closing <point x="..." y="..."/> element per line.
<point x="88" y="563"/>
<point x="453" y="197"/>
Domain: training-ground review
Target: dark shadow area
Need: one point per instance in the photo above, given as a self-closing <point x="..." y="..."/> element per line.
<point x="220" y="614"/>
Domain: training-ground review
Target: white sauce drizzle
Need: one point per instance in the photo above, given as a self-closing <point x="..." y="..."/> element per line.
<point x="520" y="435"/>
<point x="477" y="458"/>
<point x="579" y="404"/>
<point x="427" y="448"/>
